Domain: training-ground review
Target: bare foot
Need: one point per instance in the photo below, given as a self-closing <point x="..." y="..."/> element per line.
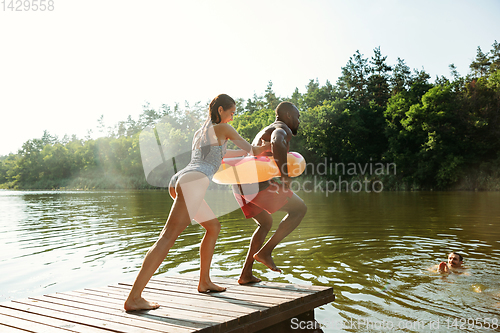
<point x="268" y="261"/>
<point x="248" y="279"/>
<point x="209" y="287"/>
<point x="139" y="304"/>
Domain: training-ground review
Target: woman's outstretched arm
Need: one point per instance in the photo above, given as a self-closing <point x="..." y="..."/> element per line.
<point x="226" y="131"/>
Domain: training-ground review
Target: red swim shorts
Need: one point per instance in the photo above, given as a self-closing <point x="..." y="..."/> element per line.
<point x="270" y="199"/>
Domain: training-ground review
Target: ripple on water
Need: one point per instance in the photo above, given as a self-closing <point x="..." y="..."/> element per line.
<point x="374" y="250"/>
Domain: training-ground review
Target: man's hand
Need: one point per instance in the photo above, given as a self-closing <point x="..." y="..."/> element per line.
<point x="443" y="267"/>
<point x="263" y="147"/>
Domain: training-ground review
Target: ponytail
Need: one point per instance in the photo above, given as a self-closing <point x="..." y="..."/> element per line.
<point x="214" y="118"/>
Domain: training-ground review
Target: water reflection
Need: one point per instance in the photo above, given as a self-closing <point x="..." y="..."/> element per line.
<point x="374" y="249"/>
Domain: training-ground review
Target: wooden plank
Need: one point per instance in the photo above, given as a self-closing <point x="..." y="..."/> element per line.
<point x="194" y="297"/>
<point x="191" y="294"/>
<point x="201" y="308"/>
<point x="266" y="291"/>
<point x="114" y="309"/>
<point x="321" y="295"/>
<point x="30" y="326"/>
<point x="241" y="308"/>
<point x="9" y="329"/>
<point x="277" y="306"/>
<point x="264" y="284"/>
<point x="275" y="309"/>
<point x="81" y="316"/>
<point x="253" y="293"/>
<point x="269" y="289"/>
<point x="228" y="294"/>
<point x="14" y="310"/>
<point x="175" y="301"/>
<point x="214" y="319"/>
<point x="154" y="293"/>
<point x="131" y="319"/>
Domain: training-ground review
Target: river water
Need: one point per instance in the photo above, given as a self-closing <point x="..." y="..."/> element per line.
<point x="374" y="249"/>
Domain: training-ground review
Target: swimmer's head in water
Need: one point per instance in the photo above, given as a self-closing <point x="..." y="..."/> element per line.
<point x="455" y="259"/>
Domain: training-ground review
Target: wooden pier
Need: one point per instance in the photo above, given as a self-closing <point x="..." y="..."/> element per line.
<point x="261" y="307"/>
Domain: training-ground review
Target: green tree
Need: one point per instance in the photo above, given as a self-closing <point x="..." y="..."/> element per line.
<point x="404" y="140"/>
<point x="149" y="116"/>
<point x="296" y="99"/>
<point x="3" y="170"/>
<point x="426" y="138"/>
<point x="315" y="94"/>
<point x="240" y="106"/>
<point x="132" y="126"/>
<point x="378" y="82"/>
<point x="271" y="100"/>
<point x="29" y="163"/>
<point x="334" y="131"/>
<point x="48" y="139"/>
<point x="479" y="111"/>
<point x="250" y="123"/>
<point x="57" y="163"/>
<point x="495" y="57"/>
<point x="255" y="104"/>
<point x="454" y="72"/>
<point x="481" y="64"/>
<point x="353" y="82"/>
<point x="401" y="78"/>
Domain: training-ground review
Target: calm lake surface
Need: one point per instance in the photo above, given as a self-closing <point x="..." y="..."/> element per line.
<point x="374" y="249"/>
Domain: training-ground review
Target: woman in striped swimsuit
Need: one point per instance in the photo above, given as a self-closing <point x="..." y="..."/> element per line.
<point x="187" y="188"/>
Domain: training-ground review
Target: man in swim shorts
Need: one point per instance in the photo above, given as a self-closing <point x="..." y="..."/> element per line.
<point x="259" y="201"/>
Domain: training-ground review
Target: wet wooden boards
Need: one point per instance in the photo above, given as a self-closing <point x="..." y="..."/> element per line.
<point x="248" y="308"/>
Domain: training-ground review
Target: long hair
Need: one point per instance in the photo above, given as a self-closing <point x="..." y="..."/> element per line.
<point x="213" y="118"/>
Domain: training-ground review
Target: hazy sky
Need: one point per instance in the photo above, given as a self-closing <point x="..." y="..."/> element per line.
<point x="61" y="70"/>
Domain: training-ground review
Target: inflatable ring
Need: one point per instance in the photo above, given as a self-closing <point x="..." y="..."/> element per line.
<point x="255" y="169"/>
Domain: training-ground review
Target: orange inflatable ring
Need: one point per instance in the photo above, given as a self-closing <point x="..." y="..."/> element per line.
<point x="254" y="169"/>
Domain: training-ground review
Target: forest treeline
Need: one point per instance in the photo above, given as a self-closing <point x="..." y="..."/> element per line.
<point x="440" y="135"/>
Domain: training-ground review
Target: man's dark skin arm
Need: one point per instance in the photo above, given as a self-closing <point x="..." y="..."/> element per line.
<point x="279" y="134"/>
<point x="279" y="148"/>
